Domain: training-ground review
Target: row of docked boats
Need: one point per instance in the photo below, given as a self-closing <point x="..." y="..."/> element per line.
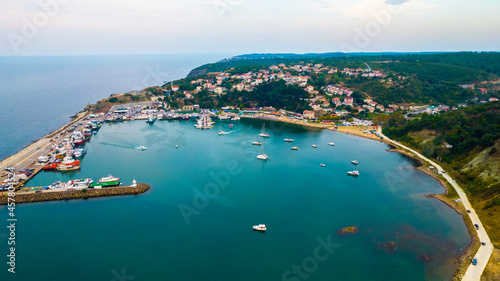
<point x="204" y="122"/>
<point x="87" y="183"/>
<point x="62" y="156"/>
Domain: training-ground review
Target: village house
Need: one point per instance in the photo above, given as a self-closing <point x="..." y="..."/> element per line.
<point x="308" y="114"/>
<point x="348" y="101"/>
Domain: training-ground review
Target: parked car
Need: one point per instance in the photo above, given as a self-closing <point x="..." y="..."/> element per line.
<point x="468" y="211"/>
<point x="474" y="261"/>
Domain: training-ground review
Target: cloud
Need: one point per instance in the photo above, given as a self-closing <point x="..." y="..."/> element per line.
<point x="396" y="2"/>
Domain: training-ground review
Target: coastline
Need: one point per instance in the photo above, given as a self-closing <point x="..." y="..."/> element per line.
<point x="46" y="196"/>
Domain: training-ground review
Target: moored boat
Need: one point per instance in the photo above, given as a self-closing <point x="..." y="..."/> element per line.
<point x="260" y="227"/>
<point x="288" y="140"/>
<point x="315" y="146"/>
<point x="355" y="162"/>
<point x="353" y="173"/>
<point x="263" y="133"/>
<point x="256" y="143"/>
<point x="294" y="148"/>
<point x="109" y="179"/>
<point x="331" y="143"/>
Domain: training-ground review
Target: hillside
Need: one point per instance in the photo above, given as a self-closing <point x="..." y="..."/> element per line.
<point x="467" y="141"/>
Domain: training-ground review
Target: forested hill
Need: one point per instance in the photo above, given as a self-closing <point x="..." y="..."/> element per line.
<point x="467" y="141"/>
<point x="486" y="61"/>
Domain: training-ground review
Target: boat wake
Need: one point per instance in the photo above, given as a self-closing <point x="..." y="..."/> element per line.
<point x="119" y="145"/>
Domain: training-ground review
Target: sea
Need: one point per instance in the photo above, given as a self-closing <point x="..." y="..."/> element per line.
<point x="208" y="190"/>
<point x="207" y="193"/>
<point x="38" y="94"/>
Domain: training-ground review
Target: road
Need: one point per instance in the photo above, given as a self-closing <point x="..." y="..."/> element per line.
<point x="28" y="156"/>
<point x="483" y="255"/>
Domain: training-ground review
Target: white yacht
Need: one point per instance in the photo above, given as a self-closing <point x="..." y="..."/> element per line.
<point x="353" y="173"/>
<point x="355" y="162"/>
<point x="288" y="140"/>
<point x="142" y="147"/>
<point x="322" y="165"/>
<point x="331" y="143"/>
<point x="315" y="146"/>
<point x="109" y="179"/>
<point x="260" y="227"/>
<point x="236" y="118"/>
<point x="256" y="143"/>
<point x="294" y="148"/>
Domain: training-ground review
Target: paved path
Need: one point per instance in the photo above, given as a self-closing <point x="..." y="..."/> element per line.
<point x="30" y="154"/>
<point x="484" y="253"/>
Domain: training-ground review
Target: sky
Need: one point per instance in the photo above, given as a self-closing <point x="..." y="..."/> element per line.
<point x="91" y="27"/>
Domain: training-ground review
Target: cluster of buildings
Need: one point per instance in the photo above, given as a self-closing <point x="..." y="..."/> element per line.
<point x="324" y="100"/>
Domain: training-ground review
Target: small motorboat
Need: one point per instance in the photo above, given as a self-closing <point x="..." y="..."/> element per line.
<point x="355" y="162"/>
<point x="256" y="143"/>
<point x="315" y="146"/>
<point x="176" y="146"/>
<point x="142" y="147"/>
<point x="260" y="227"/>
<point x="353" y="173"/>
<point x="223" y="133"/>
<point x="288" y="140"/>
<point x="331" y="143"/>
<point x="322" y="165"/>
<point x="295" y="148"/>
<point x="231" y="126"/>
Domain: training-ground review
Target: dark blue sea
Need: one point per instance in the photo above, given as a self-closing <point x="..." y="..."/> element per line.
<point x="38" y="94"/>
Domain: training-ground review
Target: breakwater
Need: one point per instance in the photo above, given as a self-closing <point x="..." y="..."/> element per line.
<point x="76" y="194"/>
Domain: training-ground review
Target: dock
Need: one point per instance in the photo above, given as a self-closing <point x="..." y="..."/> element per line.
<point x="71" y="194"/>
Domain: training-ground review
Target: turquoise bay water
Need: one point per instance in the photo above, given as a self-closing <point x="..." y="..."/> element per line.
<point x="301" y="203"/>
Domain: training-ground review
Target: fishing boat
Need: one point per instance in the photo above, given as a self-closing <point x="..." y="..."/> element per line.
<point x="260" y="227"/>
<point x="294" y="148"/>
<point x="79" y="152"/>
<point x="331" y="143"/>
<point x="353" y="173"/>
<point x="151" y="120"/>
<point x="51" y="166"/>
<point x="65" y="168"/>
<point x="80" y="141"/>
<point x="263" y="133"/>
<point x="355" y="162"/>
<point x="315" y="146"/>
<point x="256" y="143"/>
<point x="288" y="140"/>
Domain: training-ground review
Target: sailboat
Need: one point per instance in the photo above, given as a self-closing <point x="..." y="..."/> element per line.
<point x="263" y="133"/>
<point x="262" y="156"/>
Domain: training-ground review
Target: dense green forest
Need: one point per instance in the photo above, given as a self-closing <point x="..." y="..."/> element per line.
<point x="467" y="129"/>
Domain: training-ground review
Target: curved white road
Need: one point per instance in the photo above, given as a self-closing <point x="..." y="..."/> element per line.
<point x="484" y="253"/>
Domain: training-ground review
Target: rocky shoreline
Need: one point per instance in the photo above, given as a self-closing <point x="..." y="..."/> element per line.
<point x="76" y="194"/>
